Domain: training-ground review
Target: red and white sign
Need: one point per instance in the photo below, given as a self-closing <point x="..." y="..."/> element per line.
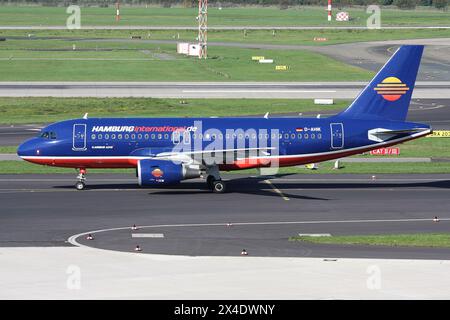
<point x="342" y="16"/>
<point x="385" y="152"/>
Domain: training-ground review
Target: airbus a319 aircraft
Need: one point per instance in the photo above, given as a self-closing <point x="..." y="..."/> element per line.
<point x="168" y="150"/>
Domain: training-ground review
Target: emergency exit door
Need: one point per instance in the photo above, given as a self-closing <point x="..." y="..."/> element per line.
<point x="79" y="137"/>
<point x="337" y="135"/>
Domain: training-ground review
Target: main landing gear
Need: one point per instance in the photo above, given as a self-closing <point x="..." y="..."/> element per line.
<point x="215" y="185"/>
<point x="213" y="180"/>
<point x="81" y="179"/>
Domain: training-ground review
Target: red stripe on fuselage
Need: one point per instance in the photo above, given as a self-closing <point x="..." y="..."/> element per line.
<point x="125" y="162"/>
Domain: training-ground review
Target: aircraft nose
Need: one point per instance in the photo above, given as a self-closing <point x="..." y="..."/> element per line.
<point x="28" y="148"/>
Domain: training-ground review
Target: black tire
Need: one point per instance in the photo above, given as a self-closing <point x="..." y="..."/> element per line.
<point x="218" y="186"/>
<point x="79" y="185"/>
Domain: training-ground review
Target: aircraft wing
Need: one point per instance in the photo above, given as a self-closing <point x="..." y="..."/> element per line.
<point x="202" y="156"/>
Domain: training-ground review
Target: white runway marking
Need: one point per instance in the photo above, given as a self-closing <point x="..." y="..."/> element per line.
<point x="259" y="91"/>
<point x="147" y="235"/>
<point x="73" y="239"/>
<point x="276" y="190"/>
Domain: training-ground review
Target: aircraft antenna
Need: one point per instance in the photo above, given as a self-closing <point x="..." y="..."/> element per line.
<point x="85" y="116"/>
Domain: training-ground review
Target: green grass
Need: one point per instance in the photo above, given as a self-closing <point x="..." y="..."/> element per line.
<point x="161" y="63"/>
<point x="239" y="16"/>
<point x="441" y="240"/>
<point x="45" y="110"/>
<point x="8" y="149"/>
<point x="21" y="167"/>
<point x="375" y="168"/>
<point x="422" y="148"/>
<point x="365" y="168"/>
<point x="293" y="37"/>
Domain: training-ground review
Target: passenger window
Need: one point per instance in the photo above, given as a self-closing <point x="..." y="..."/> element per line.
<point x="293" y="136"/>
<point x="313" y="136"/>
<point x="299" y="135"/>
<point x="146" y="137"/>
<point x="93" y="137"/>
<point x="127" y="136"/>
<point x="133" y="137"/>
<point x="113" y="136"/>
<point x="306" y="136"/>
<point x="119" y="136"/>
<point x="159" y="136"/>
<point x="140" y="136"/>
<point x="166" y="136"/>
<point x="100" y="136"/>
<point x="286" y="135"/>
<point x="106" y="136"/>
<point x="319" y="136"/>
<point x="187" y="137"/>
<point x="153" y="136"/>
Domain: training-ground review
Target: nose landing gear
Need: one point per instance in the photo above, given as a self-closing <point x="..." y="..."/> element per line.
<point x="81" y="179"/>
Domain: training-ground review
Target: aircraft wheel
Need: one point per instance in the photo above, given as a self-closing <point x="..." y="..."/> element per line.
<point x="79" y="185"/>
<point x="218" y="186"/>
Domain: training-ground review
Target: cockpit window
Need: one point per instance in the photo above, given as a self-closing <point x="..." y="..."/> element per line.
<point x="48" y="135"/>
<point x="44" y="135"/>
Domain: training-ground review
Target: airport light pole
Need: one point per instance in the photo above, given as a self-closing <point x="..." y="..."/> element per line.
<point x="203" y="28"/>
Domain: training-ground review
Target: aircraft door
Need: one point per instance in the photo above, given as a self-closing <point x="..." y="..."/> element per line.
<point x="79" y="137"/>
<point x="337" y="135"/>
<point x="176" y="137"/>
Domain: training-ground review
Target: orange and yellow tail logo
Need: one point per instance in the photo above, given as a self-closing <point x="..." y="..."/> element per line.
<point x="391" y="88"/>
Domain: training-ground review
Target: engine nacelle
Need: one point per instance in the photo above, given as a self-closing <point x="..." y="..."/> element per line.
<point x="164" y="172"/>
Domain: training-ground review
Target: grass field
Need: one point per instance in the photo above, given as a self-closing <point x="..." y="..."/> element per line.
<point x="441" y="240"/>
<point x="45" y="110"/>
<point x="56" y="61"/>
<point x="239" y="16"/>
<point x="21" y="167"/>
<point x="423" y="148"/>
<point x="8" y="149"/>
<point x="290" y="37"/>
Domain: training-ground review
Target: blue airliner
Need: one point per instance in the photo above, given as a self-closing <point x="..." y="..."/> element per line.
<point x="168" y="150"/>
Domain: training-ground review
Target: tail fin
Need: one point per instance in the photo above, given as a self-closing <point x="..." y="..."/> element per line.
<point x="388" y="95"/>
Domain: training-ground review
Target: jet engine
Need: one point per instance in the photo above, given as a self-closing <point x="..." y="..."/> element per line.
<point x="164" y="172"/>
